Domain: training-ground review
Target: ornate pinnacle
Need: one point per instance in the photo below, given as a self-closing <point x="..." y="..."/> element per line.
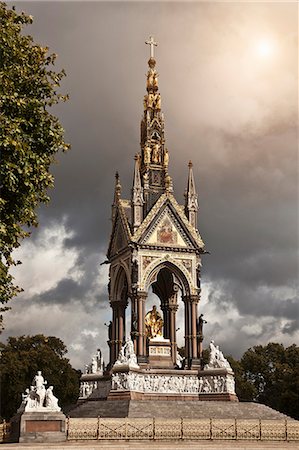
<point x="151" y="42"/>
<point x="117" y="186"/>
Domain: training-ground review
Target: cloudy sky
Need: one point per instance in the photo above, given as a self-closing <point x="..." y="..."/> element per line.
<point x="229" y="85"/>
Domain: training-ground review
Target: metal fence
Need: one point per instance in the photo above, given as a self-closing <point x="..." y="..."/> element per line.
<point x="192" y="429"/>
<point x="4" y="431"/>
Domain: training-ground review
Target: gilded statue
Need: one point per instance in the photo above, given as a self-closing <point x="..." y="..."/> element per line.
<point x="145" y="101"/>
<point x="150" y="100"/>
<point x="158" y="101"/>
<point x="156" y="154"/>
<point x="150" y="78"/>
<point x="147" y="154"/>
<point x="166" y="158"/>
<point x="153" y="323"/>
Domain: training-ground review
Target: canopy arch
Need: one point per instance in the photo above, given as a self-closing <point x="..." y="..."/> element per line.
<point x="179" y="277"/>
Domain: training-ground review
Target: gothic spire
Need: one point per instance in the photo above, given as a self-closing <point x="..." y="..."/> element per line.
<point x="117" y="192"/>
<point x="191" y="198"/>
<point x="154" y="155"/>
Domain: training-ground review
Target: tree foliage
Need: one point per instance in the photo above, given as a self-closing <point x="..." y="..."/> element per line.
<point x="29" y="135"/>
<point x="274" y="372"/>
<point x="22" y="357"/>
<point x="245" y="390"/>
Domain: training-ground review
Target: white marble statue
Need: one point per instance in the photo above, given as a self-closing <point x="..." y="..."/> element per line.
<point x="100" y="361"/>
<point x="51" y="401"/>
<point x="217" y="359"/>
<point x="179" y="360"/>
<point x="37" y="398"/>
<point x="127" y="356"/>
<point x="96" y="365"/>
<point x="39" y="382"/>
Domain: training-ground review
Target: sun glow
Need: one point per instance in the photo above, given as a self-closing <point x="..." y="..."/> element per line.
<point x="264" y="48"/>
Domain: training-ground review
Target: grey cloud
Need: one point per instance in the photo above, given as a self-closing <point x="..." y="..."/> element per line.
<point x="84" y="288"/>
<point x="254" y="300"/>
<point x="292" y="326"/>
<point x="235" y="117"/>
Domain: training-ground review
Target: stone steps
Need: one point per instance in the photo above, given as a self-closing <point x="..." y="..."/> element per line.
<point x="175" y="409"/>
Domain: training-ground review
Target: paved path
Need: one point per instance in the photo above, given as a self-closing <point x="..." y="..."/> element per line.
<point x="161" y="445"/>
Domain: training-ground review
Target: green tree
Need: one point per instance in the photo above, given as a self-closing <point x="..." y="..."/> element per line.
<point x="30" y="136"/>
<point x="22" y="357"/>
<point x="245" y="389"/>
<point x="274" y="372"/>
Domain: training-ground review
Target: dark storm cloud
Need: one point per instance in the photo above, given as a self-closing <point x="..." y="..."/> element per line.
<point x="292" y="326"/>
<point x="233" y="114"/>
<point x="256" y="301"/>
<point x="85" y="288"/>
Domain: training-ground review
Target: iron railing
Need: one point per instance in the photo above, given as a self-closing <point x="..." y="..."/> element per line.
<point x="4" y="431"/>
<point x="178" y="429"/>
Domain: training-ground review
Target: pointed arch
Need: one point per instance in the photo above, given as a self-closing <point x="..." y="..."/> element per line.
<point x="180" y="277"/>
<point x="121" y="282"/>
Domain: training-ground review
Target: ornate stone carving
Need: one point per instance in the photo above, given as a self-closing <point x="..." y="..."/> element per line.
<point x="173" y="384"/>
<point x="87" y="388"/>
<point x="217" y="359"/>
<point x="146" y="260"/>
<point x="187" y="263"/>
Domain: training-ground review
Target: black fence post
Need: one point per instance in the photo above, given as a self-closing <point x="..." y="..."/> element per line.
<point x="98" y="427"/>
<point x="67" y="422"/>
<point x="260" y="428"/>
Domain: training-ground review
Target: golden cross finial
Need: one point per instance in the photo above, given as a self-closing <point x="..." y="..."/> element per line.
<point x="152" y="44"/>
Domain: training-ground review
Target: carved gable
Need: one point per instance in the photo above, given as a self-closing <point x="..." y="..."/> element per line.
<point x="166" y="231"/>
<point x="167" y="226"/>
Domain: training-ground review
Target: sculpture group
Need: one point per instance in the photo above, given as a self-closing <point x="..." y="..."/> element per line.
<point x="39" y="398"/>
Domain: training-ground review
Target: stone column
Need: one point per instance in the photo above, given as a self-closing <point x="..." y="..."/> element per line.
<point x="187" y="330"/>
<point x="172" y="331"/>
<point x="195" y="356"/>
<point x="113" y="349"/>
<point x="134" y="315"/>
<point x="121" y="324"/>
<point x="166" y="320"/>
<point x="193" y="328"/>
<point x="191" y="347"/>
<point x="141" y="345"/>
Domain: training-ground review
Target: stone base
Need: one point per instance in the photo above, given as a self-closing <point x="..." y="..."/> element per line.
<point x="39" y="427"/>
<point x="131" y="395"/>
<point x="219" y="397"/>
<point x="159" y="351"/>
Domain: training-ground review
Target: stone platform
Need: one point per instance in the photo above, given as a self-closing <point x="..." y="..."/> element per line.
<point x="174" y="409"/>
